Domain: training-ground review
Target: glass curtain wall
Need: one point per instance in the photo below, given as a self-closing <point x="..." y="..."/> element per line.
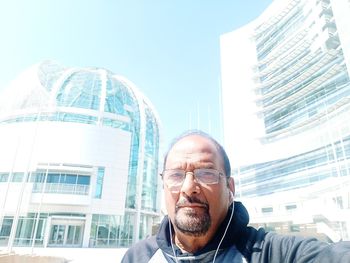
<point x="332" y="160"/>
<point x="302" y="79"/>
<point x="111" y="231"/>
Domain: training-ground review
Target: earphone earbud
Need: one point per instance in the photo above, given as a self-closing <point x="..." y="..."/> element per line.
<point x="233" y="202"/>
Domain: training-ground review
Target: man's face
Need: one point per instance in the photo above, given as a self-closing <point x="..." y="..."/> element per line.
<point x="196" y="208"/>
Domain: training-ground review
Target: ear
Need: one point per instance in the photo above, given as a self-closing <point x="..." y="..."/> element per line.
<point x="231" y="185"/>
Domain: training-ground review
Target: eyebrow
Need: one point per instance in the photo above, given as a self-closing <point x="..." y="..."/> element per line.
<point x="180" y="166"/>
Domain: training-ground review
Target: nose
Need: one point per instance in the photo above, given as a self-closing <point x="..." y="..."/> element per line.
<point x="190" y="185"/>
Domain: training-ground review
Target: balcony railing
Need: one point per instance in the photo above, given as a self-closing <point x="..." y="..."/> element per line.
<point x="57" y="188"/>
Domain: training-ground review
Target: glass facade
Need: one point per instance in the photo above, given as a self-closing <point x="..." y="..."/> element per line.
<point x="297" y="90"/>
<point x="31" y="230"/>
<point x="91" y="99"/>
<point x="332" y="160"/>
<point x="286" y="86"/>
<point x="112" y="231"/>
<point x="150" y="169"/>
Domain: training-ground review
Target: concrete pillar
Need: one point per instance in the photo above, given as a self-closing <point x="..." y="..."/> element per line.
<point x="87" y="230"/>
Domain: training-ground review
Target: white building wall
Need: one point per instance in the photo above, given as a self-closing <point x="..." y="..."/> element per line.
<point x="70" y="143"/>
<point x="241" y="124"/>
<point x="10" y="195"/>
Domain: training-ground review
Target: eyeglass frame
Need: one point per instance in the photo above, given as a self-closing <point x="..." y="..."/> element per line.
<point x="184" y="173"/>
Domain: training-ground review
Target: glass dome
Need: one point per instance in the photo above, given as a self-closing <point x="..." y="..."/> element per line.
<point x="49" y="91"/>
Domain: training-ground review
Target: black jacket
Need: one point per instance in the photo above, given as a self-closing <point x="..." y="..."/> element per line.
<point x="241" y="241"/>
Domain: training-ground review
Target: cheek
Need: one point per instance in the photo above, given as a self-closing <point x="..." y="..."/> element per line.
<point x="217" y="203"/>
<point x="170" y="201"/>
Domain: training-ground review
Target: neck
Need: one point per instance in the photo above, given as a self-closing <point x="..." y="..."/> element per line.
<point x="191" y="244"/>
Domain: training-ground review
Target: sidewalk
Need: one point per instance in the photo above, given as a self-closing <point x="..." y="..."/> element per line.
<point x="73" y="255"/>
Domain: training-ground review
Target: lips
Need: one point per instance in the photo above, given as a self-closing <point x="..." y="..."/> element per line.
<point x="192" y="205"/>
<point x="196" y="204"/>
<point x="191" y="202"/>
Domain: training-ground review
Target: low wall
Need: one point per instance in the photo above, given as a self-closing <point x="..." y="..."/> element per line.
<point x="13" y="258"/>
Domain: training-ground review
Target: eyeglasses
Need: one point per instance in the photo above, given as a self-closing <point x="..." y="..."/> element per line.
<point x="174" y="178"/>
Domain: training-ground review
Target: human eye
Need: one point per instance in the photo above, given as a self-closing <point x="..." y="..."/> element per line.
<point x="206" y="175"/>
<point x="174" y="175"/>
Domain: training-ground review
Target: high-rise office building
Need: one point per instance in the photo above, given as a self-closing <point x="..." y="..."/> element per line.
<point x="78" y="159"/>
<point x="286" y="106"/>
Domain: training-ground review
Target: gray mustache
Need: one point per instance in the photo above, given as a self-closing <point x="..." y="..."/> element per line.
<point x="191" y="200"/>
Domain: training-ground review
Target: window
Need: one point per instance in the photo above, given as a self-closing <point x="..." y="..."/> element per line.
<point x="4" y="177"/>
<point x="84" y="179"/>
<point x="61" y="183"/>
<point x="294" y="228"/>
<point x="37" y="177"/>
<point x="17" y="177"/>
<point x="68" y="178"/>
<point x="291" y="207"/>
<point x="53" y="178"/>
<point x="338" y="200"/>
<point x="267" y="209"/>
<point x="5" y="229"/>
<point x="99" y="182"/>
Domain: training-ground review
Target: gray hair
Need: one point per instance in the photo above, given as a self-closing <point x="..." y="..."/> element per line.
<point x="221" y="150"/>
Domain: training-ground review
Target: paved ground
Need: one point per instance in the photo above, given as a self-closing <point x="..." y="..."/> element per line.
<point x="75" y="255"/>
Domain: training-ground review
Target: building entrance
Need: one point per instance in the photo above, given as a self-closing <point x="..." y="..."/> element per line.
<point x="66" y="233"/>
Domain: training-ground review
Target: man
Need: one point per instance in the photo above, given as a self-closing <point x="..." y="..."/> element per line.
<point x="205" y="224"/>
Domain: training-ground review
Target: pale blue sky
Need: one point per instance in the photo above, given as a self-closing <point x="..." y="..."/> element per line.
<point x="169" y="49"/>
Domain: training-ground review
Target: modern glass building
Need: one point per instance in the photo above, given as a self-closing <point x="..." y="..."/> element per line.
<point x="286" y="106"/>
<point x="78" y="159"/>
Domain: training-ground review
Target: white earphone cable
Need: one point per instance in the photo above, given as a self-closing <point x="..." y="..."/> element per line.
<point x="228" y="224"/>
<point x="171" y="241"/>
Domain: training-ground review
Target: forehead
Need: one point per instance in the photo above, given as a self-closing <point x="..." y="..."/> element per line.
<point x="192" y="149"/>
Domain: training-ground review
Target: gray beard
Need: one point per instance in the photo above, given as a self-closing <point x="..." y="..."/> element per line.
<point x="193" y="224"/>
